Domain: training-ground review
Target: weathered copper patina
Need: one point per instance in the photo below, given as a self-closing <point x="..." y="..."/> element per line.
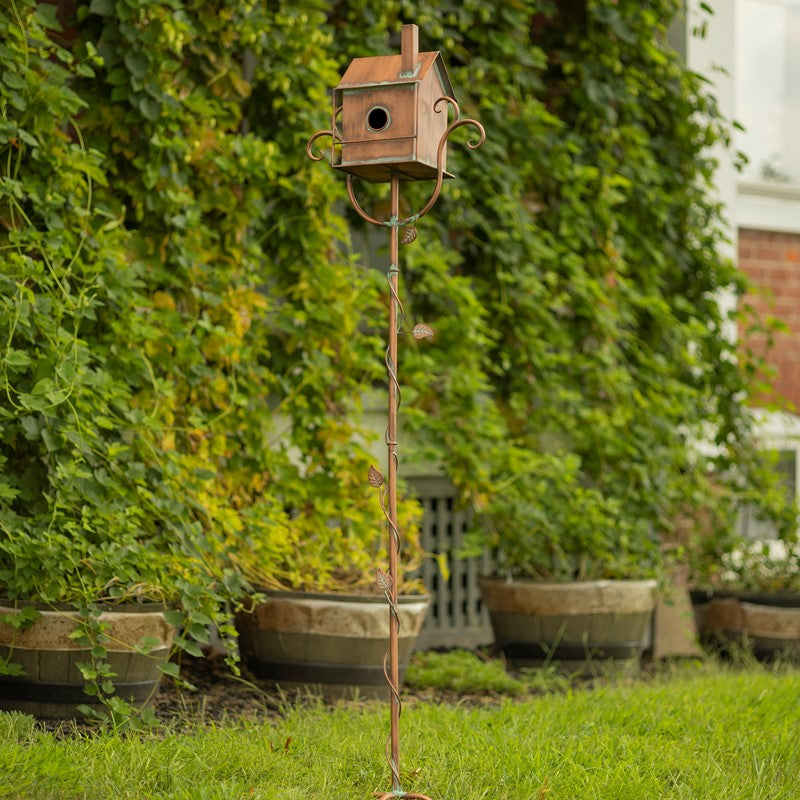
<point x="394" y="112"/>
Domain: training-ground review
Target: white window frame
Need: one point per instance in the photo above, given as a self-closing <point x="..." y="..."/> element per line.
<point x="752" y="204"/>
<point x="776" y="431"/>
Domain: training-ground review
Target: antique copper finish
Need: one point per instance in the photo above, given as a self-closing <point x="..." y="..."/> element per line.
<point x="387" y="128"/>
<point x="408" y="88"/>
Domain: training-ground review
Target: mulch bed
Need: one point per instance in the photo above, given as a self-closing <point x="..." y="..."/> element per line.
<point x="219" y="697"/>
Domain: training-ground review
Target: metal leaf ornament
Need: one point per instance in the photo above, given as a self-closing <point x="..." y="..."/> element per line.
<point x="422" y="331"/>
<point x="409" y="235"/>
<point x="384" y="580"/>
<point x="375" y="478"/>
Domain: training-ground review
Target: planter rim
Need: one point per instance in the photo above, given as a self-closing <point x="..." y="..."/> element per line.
<point x="126" y="608"/>
<point x="355" y="616"/>
<point x="343" y="597"/>
<point x="53" y="629"/>
<point x="494" y="579"/>
<point x="778" y="599"/>
<point x="789" y="600"/>
<point x="570" y="599"/>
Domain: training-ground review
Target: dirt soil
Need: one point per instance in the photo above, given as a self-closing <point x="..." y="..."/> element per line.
<point x="222" y="696"/>
<point x="219" y="696"/>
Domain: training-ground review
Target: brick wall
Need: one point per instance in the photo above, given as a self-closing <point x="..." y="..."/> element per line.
<point x="772" y="261"/>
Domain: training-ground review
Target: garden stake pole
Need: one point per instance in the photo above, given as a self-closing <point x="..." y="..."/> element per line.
<point x="392" y="465"/>
<point x="380" y="116"/>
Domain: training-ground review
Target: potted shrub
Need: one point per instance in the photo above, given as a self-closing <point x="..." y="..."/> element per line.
<point x="752" y="599"/>
<point x="97" y="523"/>
<point x="323" y="621"/>
<point x="60" y="660"/>
<point x="744" y="562"/>
<point x="575" y="582"/>
<point x="107" y="504"/>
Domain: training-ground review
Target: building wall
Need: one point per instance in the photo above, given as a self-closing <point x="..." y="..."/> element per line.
<point x="772" y="262"/>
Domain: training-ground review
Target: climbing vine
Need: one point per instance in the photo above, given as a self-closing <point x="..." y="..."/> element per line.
<point x="575" y="281"/>
<point x="181" y="363"/>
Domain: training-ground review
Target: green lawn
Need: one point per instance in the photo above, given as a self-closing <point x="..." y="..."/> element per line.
<point x="700" y="734"/>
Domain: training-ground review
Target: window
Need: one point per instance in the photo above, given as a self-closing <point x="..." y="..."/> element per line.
<point x="768" y="89"/>
<point x="786" y="466"/>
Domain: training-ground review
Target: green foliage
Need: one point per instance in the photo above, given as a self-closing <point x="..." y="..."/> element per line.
<point x="202" y="358"/>
<point x="583" y="350"/>
<point x="253" y="305"/>
<point x="64" y="264"/>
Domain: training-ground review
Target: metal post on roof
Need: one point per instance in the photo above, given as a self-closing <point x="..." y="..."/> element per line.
<point x="409" y="50"/>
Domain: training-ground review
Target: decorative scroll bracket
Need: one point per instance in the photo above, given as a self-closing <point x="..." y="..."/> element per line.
<point x="413" y="218"/>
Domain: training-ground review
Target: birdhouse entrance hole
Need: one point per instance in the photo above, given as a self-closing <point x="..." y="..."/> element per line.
<point x="378" y="119"/>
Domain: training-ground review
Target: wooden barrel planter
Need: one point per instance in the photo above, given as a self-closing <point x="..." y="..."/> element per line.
<point x="329" y="644"/>
<point x="585" y="626"/>
<point x="769" y="623"/>
<point x="52" y="685"/>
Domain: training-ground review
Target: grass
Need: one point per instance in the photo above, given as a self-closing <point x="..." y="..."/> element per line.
<point x="697" y="733"/>
<point x="466" y="672"/>
<point x="463" y="672"/>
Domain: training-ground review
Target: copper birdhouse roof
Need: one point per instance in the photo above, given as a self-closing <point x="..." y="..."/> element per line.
<point x="388" y="71"/>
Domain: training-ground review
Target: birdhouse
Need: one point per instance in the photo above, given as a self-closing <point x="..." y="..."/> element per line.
<point x="388" y="122"/>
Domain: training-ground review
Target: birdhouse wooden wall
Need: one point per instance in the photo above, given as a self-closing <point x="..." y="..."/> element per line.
<point x="388" y="122"/>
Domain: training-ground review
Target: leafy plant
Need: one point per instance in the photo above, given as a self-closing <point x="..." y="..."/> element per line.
<point x="574" y="279"/>
<point x="178" y="359"/>
<point x="764" y="566"/>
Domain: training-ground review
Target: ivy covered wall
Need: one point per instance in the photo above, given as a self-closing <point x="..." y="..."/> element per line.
<point x="586" y="398"/>
<point x="177" y="277"/>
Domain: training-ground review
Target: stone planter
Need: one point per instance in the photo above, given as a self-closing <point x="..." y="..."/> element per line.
<point x="675" y="631"/>
<point x="583" y="626"/>
<point x="331" y="644"/>
<point x="767" y="622"/>
<point x="52" y="685"/>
